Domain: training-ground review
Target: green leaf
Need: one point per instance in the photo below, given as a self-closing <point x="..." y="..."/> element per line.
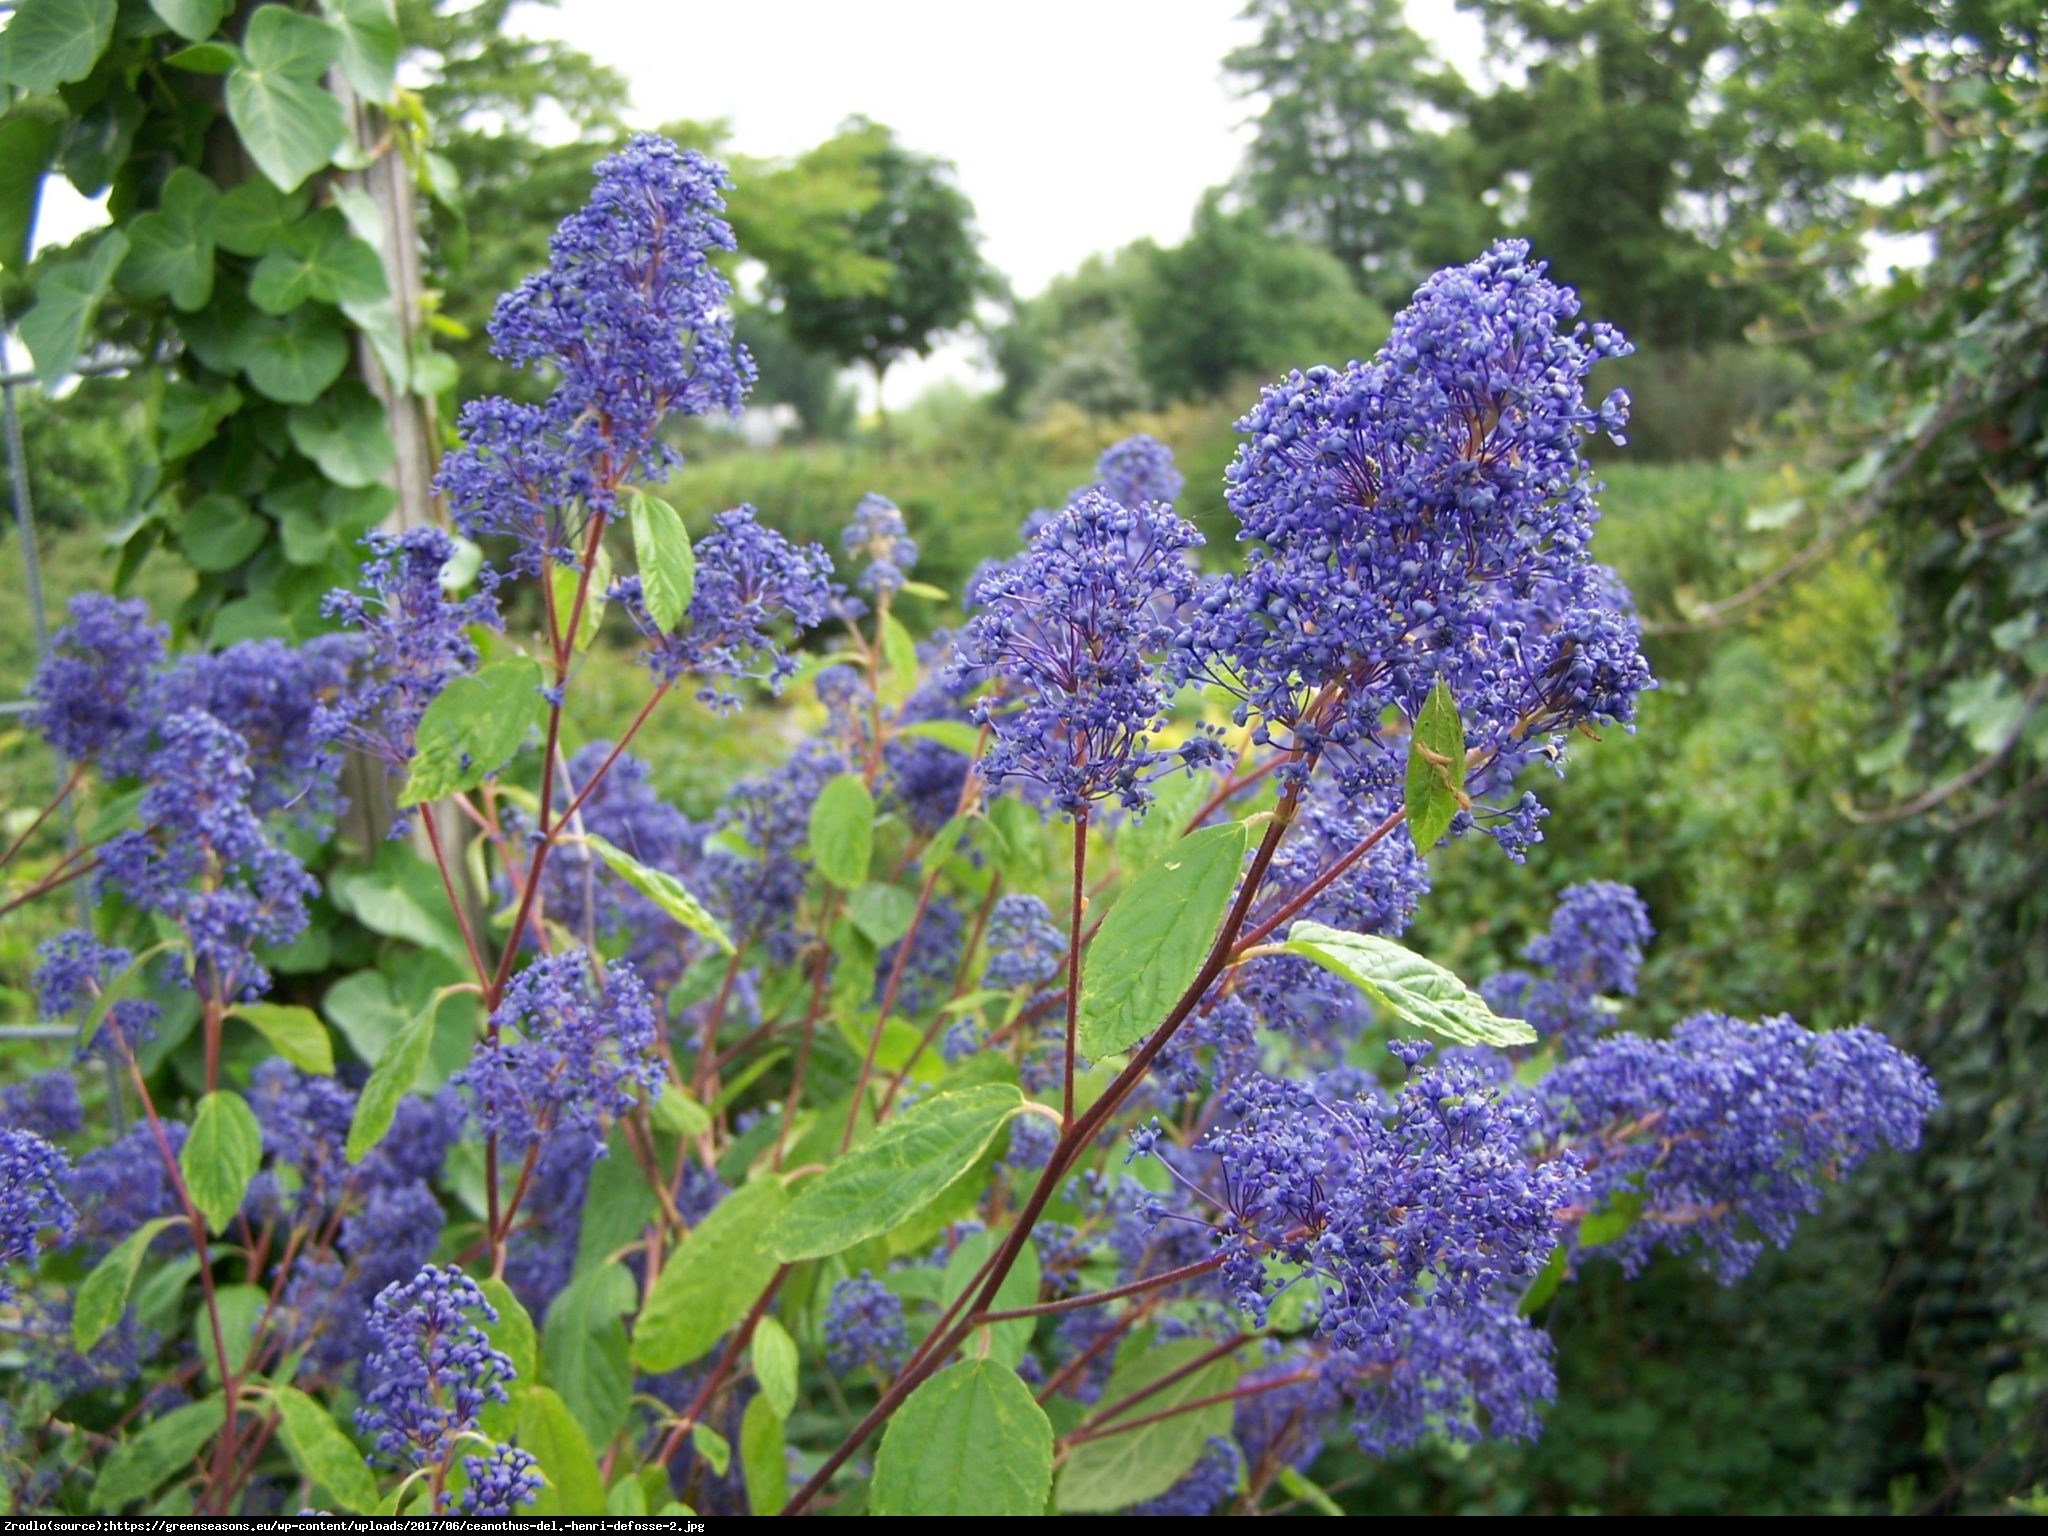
<point x="240" y="1308"/>
<point x="296" y="1033"/>
<point x="369" y="45"/>
<point x="843" y="831"/>
<point x="1296" y="1486"/>
<point x="924" y="589"/>
<point x="775" y="1365"/>
<point x="512" y="1334"/>
<point x="294" y="358"/>
<point x="136" y="1466"/>
<point x="392" y="1078"/>
<point x="899" y="648"/>
<point x="1545" y="1285"/>
<point x="1007" y="1341"/>
<point x="288" y="123"/>
<point x="67" y="298"/>
<point x="883" y="912"/>
<point x="53" y="42"/>
<point x="617" y="1207"/>
<point x="472" y="729"/>
<point x="103" y="1295"/>
<point x="317" y="259"/>
<point x="677" y="1113"/>
<point x="550" y="1432"/>
<point x="565" y="579"/>
<point x="323" y="1452"/>
<point x="1435" y="790"/>
<point x="712" y="1279"/>
<point x="27" y="140"/>
<point x="222" y="1152"/>
<point x="193" y="20"/>
<point x="1624" y="1208"/>
<point x="344" y="433"/>
<point x="399" y="896"/>
<point x="190" y="417"/>
<point x="122" y="985"/>
<point x="206" y="59"/>
<point x="219" y="532"/>
<point x="170" y="251"/>
<point x="971" y="1441"/>
<point x="955" y="735"/>
<point x="668" y="565"/>
<point x="713" y="1447"/>
<point x="252" y="217"/>
<point x="1142" y="1463"/>
<point x="764" y="1464"/>
<point x="902" y="1168"/>
<point x="583" y="1349"/>
<point x="1176" y="799"/>
<point x="1416" y="991"/>
<point x="661" y="888"/>
<point x="1154" y="940"/>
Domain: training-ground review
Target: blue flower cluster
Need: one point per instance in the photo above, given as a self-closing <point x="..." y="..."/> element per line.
<point x="1025" y="946"/>
<point x="864" y="1326"/>
<point x="878" y="536"/>
<point x="499" y="1484"/>
<point x="1592" y="951"/>
<point x="1138" y="470"/>
<point x="567" y="1049"/>
<point x="1727" y="1131"/>
<point x="47" y="1105"/>
<point x="1423" y="516"/>
<point x="432" y="1370"/>
<point x="631" y="316"/>
<point x="31" y="1199"/>
<point x="89" y="690"/>
<point x="1068" y="633"/>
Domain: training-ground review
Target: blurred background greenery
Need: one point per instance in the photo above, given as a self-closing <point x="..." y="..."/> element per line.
<point x="1830" y="513"/>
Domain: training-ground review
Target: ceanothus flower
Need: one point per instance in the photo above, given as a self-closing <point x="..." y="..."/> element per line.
<point x="926" y="777"/>
<point x="70" y="969"/>
<point x="1137" y="470"/>
<point x="118" y="1187"/>
<point x="750" y="580"/>
<point x="31" y="1199"/>
<point x="631" y="317"/>
<point x="1727" y="1130"/>
<point x="500" y="1484"/>
<point x="864" y="1326"/>
<point x="1025" y="946"/>
<point x="567" y="1051"/>
<point x="432" y="1369"/>
<point x="277" y="698"/>
<point x="1593" y="950"/>
<point x="88" y="691"/>
<point x="1426" y="516"/>
<point x="305" y="1118"/>
<point x="1463" y="1373"/>
<point x="1067" y="632"/>
<point x="47" y="1104"/>
<point x="878" y="535"/>
<point x="1435" y="1203"/>
<point x="757" y="892"/>
<point x="413" y="639"/>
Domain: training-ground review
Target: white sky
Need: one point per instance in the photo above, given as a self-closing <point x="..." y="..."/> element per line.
<point x="1077" y="125"/>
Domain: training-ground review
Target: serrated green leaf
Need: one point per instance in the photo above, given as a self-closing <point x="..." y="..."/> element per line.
<point x="583" y="1349"/>
<point x="344" y="433"/>
<point x="668" y="565"/>
<point x="193" y="20"/>
<point x="775" y="1365"/>
<point x="661" y="888"/>
<point x="103" y="1294"/>
<point x="1138" y="1464"/>
<point x="223" y="1149"/>
<point x="883" y="912"/>
<point x="899" y="648"/>
<point x="764" y="1462"/>
<point x="1435" y="788"/>
<point x="136" y="1466"/>
<point x="898" y="1171"/>
<point x="1296" y="1486"/>
<point x="295" y="1033"/>
<point x="287" y="121"/>
<point x="390" y="1080"/>
<point x="67" y="298"/>
<point x="713" y="1447"/>
<point x="565" y="579"/>
<point x="323" y="1452"/>
<point x="712" y="1279"/>
<point x="170" y="250"/>
<point x="677" y="1113"/>
<point x="240" y="1308"/>
<point x="1416" y="991"/>
<point x="842" y="831"/>
<point x="972" y="1441"/>
<point x="370" y="45"/>
<point x="1007" y="1341"/>
<point x="54" y="42"/>
<point x="472" y="729"/>
<point x="1152" y="944"/>
<point x="549" y="1431"/>
<point x="512" y="1334"/>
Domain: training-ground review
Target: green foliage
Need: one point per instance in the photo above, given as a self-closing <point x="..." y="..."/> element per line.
<point x="103" y="1296"/>
<point x="712" y="1278"/>
<point x="1154" y="940"/>
<point x="1414" y="990"/>
<point x="970" y="1441"/>
<point x="328" y="1457"/>
<point x="397" y="1069"/>
<point x="1129" y="1465"/>
<point x="1434" y="789"/>
<point x="295" y="1033"/>
<point x="222" y="1152"/>
<point x="842" y="831"/>
<point x="472" y="728"/>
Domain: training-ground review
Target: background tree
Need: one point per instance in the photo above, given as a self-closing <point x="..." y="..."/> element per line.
<point x="921" y="225"/>
<point x="1353" y="148"/>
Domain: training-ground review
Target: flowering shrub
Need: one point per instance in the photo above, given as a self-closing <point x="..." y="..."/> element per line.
<point x="1019" y="1100"/>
